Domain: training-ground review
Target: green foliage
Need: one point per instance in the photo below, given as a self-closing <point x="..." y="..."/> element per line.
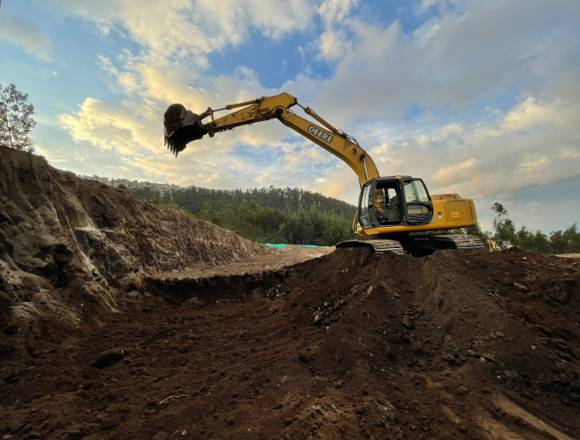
<point x="264" y="215"/>
<point x="558" y="242"/>
<point x="15" y="119"/>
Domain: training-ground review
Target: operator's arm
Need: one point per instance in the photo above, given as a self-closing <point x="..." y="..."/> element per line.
<point x="183" y="126"/>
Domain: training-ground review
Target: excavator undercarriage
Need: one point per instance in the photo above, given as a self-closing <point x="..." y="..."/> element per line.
<point x="416" y="245"/>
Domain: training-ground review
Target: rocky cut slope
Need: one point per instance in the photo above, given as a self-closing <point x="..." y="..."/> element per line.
<point x="68" y="245"/>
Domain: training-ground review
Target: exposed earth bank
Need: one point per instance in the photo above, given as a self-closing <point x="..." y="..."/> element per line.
<point x="69" y="247"/>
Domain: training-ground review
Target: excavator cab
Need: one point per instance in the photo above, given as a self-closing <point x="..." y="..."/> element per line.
<point x="394" y="201"/>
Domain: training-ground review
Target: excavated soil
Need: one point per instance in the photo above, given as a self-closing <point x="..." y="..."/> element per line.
<point x="350" y="345"/>
<point x="69" y="247"/>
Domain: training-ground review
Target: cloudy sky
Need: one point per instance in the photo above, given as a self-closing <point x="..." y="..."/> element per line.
<point x="477" y="97"/>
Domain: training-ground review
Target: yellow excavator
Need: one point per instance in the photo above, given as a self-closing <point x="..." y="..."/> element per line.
<point x="395" y="213"/>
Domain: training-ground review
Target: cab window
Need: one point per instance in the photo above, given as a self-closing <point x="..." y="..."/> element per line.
<point x="415" y="192"/>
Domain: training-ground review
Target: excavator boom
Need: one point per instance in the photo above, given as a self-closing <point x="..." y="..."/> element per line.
<point x="183" y="126"/>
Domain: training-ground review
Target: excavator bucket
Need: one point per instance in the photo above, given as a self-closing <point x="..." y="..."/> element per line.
<point x="181" y="127"/>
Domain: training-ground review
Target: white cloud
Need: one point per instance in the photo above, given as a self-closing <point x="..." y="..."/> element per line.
<point x="455" y="59"/>
<point x="181" y="28"/>
<point x="454" y="173"/>
<point x="21" y="33"/>
<point x="454" y="68"/>
<point x="532" y="113"/>
<point x="333" y="45"/>
<point x="484" y="160"/>
<point x="111" y="128"/>
<point x="170" y="65"/>
<point x="508" y="156"/>
<point x="333" y="11"/>
<point x="437" y="4"/>
<point x="335" y="40"/>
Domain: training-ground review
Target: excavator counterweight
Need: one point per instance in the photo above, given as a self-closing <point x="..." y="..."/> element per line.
<point x="395" y="213"/>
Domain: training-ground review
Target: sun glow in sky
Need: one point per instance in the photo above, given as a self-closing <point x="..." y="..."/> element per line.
<point x="477" y="97"/>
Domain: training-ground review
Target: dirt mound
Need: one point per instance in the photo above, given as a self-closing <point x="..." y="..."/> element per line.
<point x="351" y="345"/>
<point x="67" y="245"/>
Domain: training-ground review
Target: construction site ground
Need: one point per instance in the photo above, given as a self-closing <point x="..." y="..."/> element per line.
<point x="271" y="261"/>
<point x="346" y="345"/>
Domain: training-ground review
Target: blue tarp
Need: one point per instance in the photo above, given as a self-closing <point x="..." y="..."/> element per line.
<point x="283" y="245"/>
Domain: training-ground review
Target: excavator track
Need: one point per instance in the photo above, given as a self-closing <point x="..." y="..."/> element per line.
<point x="417" y="245"/>
<point x="420" y="245"/>
<point x="459" y="241"/>
<point x="380" y="246"/>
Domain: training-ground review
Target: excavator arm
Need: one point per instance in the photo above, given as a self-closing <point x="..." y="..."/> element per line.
<point x="183" y="126"/>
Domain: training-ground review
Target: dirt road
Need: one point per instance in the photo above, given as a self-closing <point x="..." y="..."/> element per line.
<point x="351" y="345"/>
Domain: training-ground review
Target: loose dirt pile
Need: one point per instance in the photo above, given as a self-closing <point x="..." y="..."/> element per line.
<point x="351" y="345"/>
<point x="68" y="246"/>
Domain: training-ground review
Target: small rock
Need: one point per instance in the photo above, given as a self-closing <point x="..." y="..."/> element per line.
<point x="417" y="348"/>
<point x="109" y="358"/>
<point x="408" y="322"/>
<point x="448" y="357"/>
<point x="488" y="357"/>
<point x="462" y="390"/>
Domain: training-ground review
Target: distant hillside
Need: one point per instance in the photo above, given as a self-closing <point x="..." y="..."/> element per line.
<point x="286" y="215"/>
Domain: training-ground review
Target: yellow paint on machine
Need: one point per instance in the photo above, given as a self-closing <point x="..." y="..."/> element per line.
<point x="448" y="213"/>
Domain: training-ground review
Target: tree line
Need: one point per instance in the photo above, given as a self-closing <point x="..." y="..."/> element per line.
<point x="557" y="242"/>
<point x="291" y="215"/>
<point x="276" y="215"/>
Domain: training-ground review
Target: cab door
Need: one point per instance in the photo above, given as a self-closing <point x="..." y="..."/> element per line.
<point x="418" y="204"/>
<point x="366" y="214"/>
